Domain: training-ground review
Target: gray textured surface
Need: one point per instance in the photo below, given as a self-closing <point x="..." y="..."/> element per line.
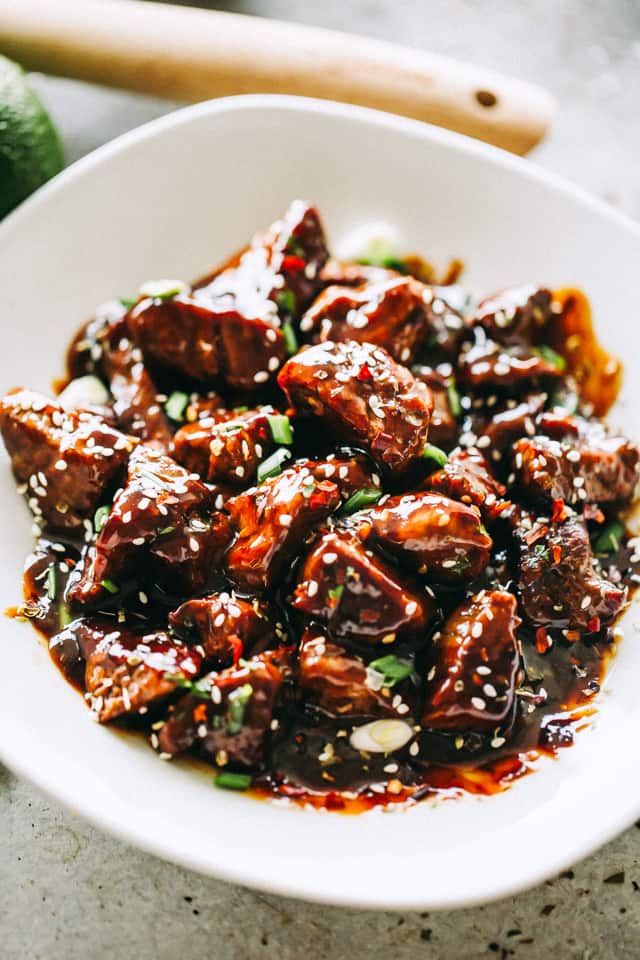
<point x="66" y="890"/>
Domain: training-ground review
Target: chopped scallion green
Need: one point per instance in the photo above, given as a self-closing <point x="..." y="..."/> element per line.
<point x="336" y="592"/>
<point x="237" y="704"/>
<point x="359" y="500"/>
<point x="203" y="692"/>
<point x="393" y="669"/>
<point x="128" y="302"/>
<point x="290" y="339"/>
<point x="51" y="582"/>
<point x="163" y="289"/>
<point x="454" y="398"/>
<point x="109" y="586"/>
<point x="280" y="428"/>
<point x="100" y="517"/>
<point x="232" y="781"/>
<point x="176" y="405"/>
<point x="431" y="452"/>
<point x="64" y="616"/>
<point x="272" y="466"/>
<point x="550" y="355"/>
<point x="286" y="301"/>
<point x="610" y="537"/>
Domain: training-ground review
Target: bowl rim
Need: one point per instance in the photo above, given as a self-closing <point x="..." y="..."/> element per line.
<point x="245" y="872"/>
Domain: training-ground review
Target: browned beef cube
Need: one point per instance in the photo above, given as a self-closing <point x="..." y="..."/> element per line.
<point x="489" y="368"/>
<point x="558" y="583"/>
<point x="507" y="426"/>
<point x="159" y="494"/>
<point x="227" y="627"/>
<point x="393" y="314"/>
<point x="518" y="315"/>
<point x="67" y="459"/>
<point x="344" y="273"/>
<point x="127" y="671"/>
<point x="104" y="347"/>
<point x="362" y="396"/>
<point x="595" y="467"/>
<point x="441" y="538"/>
<point x="443" y="429"/>
<point x="342" y="685"/>
<point x="184" y="557"/>
<point x="273" y="521"/>
<point x="466" y="477"/>
<point x="229" y="715"/>
<point x="475" y="665"/>
<point x="226" y="450"/>
<point x="358" y="596"/>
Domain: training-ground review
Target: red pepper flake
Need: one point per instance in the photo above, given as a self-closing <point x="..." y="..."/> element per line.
<point x="543" y="640"/>
<point x="593" y="512"/>
<point x="236" y="645"/>
<point x="556" y="552"/>
<point x="559" y="511"/>
<point x="594" y="624"/>
<point x="364" y="374"/>
<point x="572" y="635"/>
<point x="291" y="264"/>
<point x="200" y="713"/>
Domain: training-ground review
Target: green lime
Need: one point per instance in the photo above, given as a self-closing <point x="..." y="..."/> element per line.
<point x="30" y="150"/>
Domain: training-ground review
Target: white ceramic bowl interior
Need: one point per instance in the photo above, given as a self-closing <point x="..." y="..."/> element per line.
<point x="170" y="200"/>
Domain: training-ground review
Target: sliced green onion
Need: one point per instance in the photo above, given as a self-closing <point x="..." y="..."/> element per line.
<point x="431" y="452"/>
<point x="64" y="616"/>
<point x="454" y="398"/>
<point x="51" y="582"/>
<point x="163" y="289"/>
<point x="290" y="339"/>
<point x="360" y="499"/>
<point x="336" y="592"/>
<point x="100" y="517"/>
<point x="389" y="263"/>
<point x="294" y="247"/>
<point x="176" y="405"/>
<point x="272" y="466"/>
<point x="232" y="781"/>
<point x="237" y="704"/>
<point x="550" y="355"/>
<point x="392" y="668"/>
<point x="609" y="538"/>
<point x="240" y="409"/>
<point x="184" y="684"/>
<point x="280" y="428"/>
<point x="127" y="302"/>
<point x="109" y="586"/>
<point x="286" y="301"/>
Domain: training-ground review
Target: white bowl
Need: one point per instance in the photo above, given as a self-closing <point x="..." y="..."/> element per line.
<point x="169" y="200"/>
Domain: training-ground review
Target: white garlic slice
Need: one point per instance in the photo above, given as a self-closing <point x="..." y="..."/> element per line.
<point x="381" y="736"/>
<point x="83" y="392"/>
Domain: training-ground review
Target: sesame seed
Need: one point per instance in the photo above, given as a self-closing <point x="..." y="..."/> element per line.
<point x="312" y="588"/>
<point x="478" y="703"/>
<point x="476" y="630"/>
<point x="498" y="742"/>
<point x="414" y="749"/>
<point x="261" y="376"/>
<point x="411" y="608"/>
<point x="285" y="521"/>
<point x="483" y="670"/>
<point x="489" y="690"/>
<point x="329" y="558"/>
<point x="216" y="695"/>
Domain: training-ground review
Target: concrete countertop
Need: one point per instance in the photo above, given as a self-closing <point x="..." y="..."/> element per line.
<point x="66" y="890"/>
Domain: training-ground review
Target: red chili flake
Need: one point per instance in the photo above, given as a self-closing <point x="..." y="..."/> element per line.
<point x="594" y="624"/>
<point x="236" y="644"/>
<point x="559" y="511"/>
<point x="556" y="553"/>
<point x="317" y="501"/>
<point x="593" y="512"/>
<point x="200" y="713"/>
<point x="543" y="640"/>
<point x="532" y="536"/>
<point x="292" y="264"/>
<point x="572" y="635"/>
<point x="364" y="373"/>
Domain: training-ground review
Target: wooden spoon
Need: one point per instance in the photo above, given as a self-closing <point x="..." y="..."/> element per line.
<point x="189" y="54"/>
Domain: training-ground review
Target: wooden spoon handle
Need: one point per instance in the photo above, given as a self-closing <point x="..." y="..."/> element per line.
<point x="189" y="54"/>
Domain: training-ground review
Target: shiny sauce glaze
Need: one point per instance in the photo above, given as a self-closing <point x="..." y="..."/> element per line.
<point x="340" y="531"/>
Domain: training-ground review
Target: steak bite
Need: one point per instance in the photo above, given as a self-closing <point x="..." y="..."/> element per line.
<point x="226" y="626"/>
<point x="350" y="474"/>
<point x="342" y="685"/>
<point x="466" y="477"/>
<point x="67" y="459"/>
<point x="128" y="671"/>
<point x="228" y="714"/>
<point x="359" y="597"/>
<point x="159" y="494"/>
<point x="489" y="368"/>
<point x="559" y="584"/>
<point x="394" y="313"/>
<point x="516" y="316"/>
<point x="273" y="521"/>
<point x="475" y="661"/>
<point x="439" y="537"/>
<point x="508" y="425"/>
<point x="595" y="467"/>
<point x="226" y="450"/>
<point x="363" y="397"/>
<point x="443" y="429"/>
